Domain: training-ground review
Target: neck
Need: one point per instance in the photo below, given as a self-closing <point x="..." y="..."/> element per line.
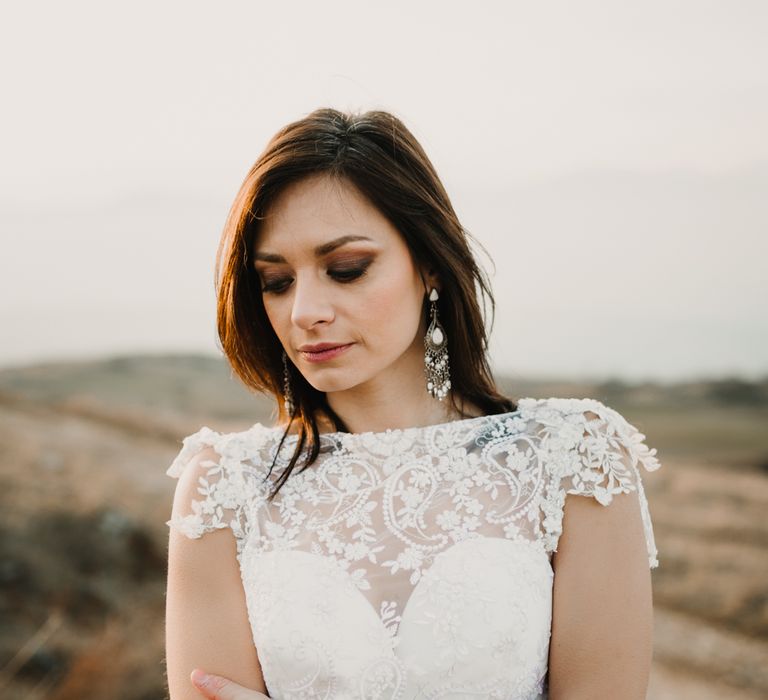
<point x="396" y="399"/>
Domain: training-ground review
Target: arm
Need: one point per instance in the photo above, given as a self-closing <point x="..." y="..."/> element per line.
<point x="602" y="621"/>
<point x="207" y="622"/>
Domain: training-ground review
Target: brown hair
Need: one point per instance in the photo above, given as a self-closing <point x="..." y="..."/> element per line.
<point x="376" y="153"/>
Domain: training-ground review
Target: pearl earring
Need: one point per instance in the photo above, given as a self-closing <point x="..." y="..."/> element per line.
<point x="436" y="366"/>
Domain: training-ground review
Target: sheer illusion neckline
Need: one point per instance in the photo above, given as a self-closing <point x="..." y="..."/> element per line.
<point x="470" y="422"/>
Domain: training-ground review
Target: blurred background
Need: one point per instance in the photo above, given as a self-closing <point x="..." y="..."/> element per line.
<point x="611" y="159"/>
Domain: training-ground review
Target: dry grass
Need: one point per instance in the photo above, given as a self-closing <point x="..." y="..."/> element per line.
<point x="84" y="498"/>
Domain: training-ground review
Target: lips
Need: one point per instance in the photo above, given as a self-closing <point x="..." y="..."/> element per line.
<point x="320" y="346"/>
<point x="328" y="351"/>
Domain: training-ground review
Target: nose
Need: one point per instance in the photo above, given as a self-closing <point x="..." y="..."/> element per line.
<point x="311" y="303"/>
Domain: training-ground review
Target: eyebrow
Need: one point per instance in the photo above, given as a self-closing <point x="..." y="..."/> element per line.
<point x="320" y="250"/>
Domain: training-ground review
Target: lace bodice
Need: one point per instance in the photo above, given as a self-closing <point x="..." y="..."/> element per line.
<point x="411" y="563"/>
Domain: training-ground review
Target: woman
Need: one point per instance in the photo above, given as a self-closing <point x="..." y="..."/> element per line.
<point x="403" y="531"/>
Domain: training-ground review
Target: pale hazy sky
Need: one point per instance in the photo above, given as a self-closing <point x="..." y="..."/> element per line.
<point x="611" y="157"/>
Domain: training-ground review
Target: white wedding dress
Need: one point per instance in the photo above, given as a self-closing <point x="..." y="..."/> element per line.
<point x="411" y="563"/>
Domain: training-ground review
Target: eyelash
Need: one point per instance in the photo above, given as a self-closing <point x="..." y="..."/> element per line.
<point x="343" y="275"/>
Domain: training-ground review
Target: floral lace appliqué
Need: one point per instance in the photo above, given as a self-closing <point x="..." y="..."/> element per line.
<point x="412" y="563"/>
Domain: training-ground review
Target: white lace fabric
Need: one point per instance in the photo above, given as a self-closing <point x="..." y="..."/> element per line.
<point x="411" y="563"/>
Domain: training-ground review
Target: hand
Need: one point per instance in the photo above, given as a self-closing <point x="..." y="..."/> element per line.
<point x="220" y="688"/>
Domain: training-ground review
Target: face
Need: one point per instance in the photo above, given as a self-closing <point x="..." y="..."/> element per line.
<point x="333" y="270"/>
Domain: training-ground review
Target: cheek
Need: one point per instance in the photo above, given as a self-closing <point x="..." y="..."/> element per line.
<point x="392" y="311"/>
<point x="279" y="317"/>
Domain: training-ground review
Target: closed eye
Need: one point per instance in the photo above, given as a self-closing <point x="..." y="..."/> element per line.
<point x="340" y="274"/>
<point x="348" y="274"/>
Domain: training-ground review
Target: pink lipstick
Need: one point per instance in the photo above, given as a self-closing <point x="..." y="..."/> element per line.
<point x="323" y="351"/>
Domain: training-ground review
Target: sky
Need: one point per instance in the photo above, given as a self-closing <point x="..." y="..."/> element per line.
<point x="610" y="158"/>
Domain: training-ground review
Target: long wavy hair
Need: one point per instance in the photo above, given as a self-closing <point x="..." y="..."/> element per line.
<point x="377" y="154"/>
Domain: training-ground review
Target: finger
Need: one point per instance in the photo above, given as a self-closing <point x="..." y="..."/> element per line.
<point x="220" y="688"/>
<point x="211" y="686"/>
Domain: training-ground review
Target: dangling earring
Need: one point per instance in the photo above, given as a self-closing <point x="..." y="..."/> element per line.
<point x="436" y="354"/>
<point x="287" y="393"/>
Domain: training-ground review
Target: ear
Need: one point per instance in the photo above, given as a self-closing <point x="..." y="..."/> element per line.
<point x="429" y="278"/>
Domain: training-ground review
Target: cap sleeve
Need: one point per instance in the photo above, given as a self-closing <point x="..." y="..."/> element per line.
<point x="591" y="450"/>
<point x="216" y="485"/>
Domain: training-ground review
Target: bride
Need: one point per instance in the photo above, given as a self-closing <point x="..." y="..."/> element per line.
<point x="403" y="530"/>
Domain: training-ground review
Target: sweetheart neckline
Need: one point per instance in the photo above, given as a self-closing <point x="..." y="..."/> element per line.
<point x="497" y="564"/>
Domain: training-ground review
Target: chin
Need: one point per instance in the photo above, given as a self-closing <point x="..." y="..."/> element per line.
<point x="330" y="384"/>
<point x="343" y="376"/>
